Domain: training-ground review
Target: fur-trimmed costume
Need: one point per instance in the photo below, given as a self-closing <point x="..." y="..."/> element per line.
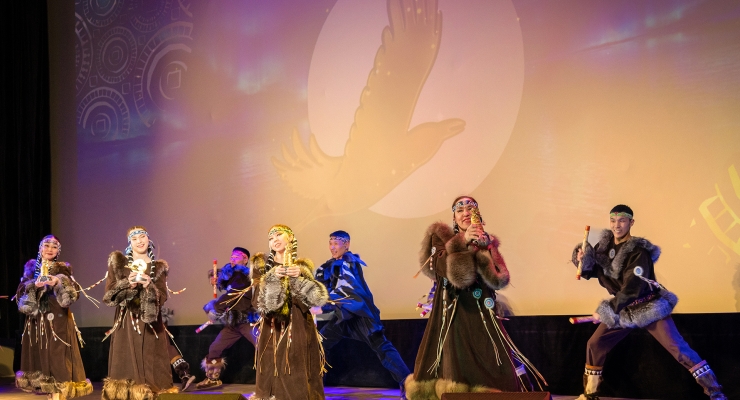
<point x="465" y="348"/>
<point x="138" y="361"/>
<point x="234" y="310"/>
<point x="635" y="304"/>
<point x="289" y="359"/>
<point x="50" y="355"/>
<point x="355" y="314"/>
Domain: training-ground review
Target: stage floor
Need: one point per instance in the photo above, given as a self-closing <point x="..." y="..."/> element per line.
<point x="9" y="392"/>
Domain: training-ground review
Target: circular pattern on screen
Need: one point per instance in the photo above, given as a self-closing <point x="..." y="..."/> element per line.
<point x="101" y="13"/>
<point x="149" y="17"/>
<point x="83" y="52"/>
<point x="103" y="115"/>
<point x="116" y="54"/>
<point x="160" y="69"/>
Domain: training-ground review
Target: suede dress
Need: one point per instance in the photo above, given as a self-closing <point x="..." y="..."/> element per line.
<point x="139" y="342"/>
<point x="50" y="354"/>
<point x="465" y="347"/>
<point x="289" y="359"/>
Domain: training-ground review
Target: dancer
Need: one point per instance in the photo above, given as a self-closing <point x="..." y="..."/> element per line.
<point x="465" y="347"/>
<point x="355" y="315"/>
<point x="234" y="310"/>
<point x="138" y="361"/>
<point x="50" y="355"/>
<point x="638" y="302"/>
<point x="289" y="359"/>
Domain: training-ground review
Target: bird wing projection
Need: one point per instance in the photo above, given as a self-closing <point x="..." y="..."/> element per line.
<point x="381" y="150"/>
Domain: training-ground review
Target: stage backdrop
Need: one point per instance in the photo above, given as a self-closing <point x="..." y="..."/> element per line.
<point x="209" y="121"/>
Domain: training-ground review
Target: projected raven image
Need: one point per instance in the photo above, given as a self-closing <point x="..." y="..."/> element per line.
<point x="382" y="149"/>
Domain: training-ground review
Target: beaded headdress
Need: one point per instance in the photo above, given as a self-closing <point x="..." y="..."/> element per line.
<point x="47" y="239"/>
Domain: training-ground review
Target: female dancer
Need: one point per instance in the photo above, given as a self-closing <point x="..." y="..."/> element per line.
<point x="465" y="348"/>
<point x="289" y="359"/>
<point x="50" y="356"/>
<point x="138" y="361"/>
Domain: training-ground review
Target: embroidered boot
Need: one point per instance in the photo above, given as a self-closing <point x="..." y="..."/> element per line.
<point x="705" y="377"/>
<point x="183" y="372"/>
<point x="591" y="383"/>
<point x="213" y="370"/>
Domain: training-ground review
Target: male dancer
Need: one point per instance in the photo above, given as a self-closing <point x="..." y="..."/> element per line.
<point x="638" y="302"/>
<point x="233" y="309"/>
<point x="355" y="315"/>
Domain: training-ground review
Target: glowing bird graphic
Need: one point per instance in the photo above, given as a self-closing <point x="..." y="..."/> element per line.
<point x="382" y="149"/>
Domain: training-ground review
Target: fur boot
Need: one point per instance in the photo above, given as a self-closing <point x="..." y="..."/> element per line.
<point x="23" y="381"/>
<point x="213" y="370"/>
<point x="591" y="383"/>
<point x="705" y="377"/>
<point x="183" y="372"/>
<point x="116" y="389"/>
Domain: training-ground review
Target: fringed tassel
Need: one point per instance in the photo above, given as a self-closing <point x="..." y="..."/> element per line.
<point x="173" y="291"/>
<point x="79" y="334"/>
<point x="516" y="353"/>
<point x="445" y="329"/>
<point x="93" y="300"/>
<point x="115" y="324"/>
<point x="56" y="337"/>
<point x="485" y="325"/>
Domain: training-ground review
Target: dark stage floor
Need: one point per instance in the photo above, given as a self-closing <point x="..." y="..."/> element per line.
<point x="9" y="392"/>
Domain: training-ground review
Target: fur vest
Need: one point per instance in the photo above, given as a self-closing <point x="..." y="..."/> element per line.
<point x="275" y="295"/>
<point x="596" y="263"/>
<point x="32" y="299"/>
<point x="145" y="302"/>
<point x="463" y="264"/>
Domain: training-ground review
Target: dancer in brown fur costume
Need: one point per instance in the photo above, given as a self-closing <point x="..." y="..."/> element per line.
<point x="465" y="347"/>
<point x="50" y="355"/>
<point x="624" y="266"/>
<point x="289" y="358"/>
<point x="138" y="361"/>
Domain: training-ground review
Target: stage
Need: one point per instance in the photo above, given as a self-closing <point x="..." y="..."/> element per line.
<point x="9" y="392"/>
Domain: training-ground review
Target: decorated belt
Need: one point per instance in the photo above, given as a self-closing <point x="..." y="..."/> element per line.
<point x="642" y="300"/>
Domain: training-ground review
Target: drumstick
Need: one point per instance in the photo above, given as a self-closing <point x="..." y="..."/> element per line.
<point x="581" y="320"/>
<point x="204" y="326"/>
<point x="583" y="247"/>
<point x="215" y="278"/>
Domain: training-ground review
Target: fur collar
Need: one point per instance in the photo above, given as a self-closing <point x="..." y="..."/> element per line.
<point x="443" y="231"/>
<point x="119" y="264"/>
<point x="225" y="273"/>
<point x="614" y="267"/>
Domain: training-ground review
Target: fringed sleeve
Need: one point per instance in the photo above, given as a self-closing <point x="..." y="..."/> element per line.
<point x="65" y="291"/>
<point x="154" y="295"/>
<point x="118" y="290"/>
<point x="28" y="297"/>
<point x="491" y="266"/>
<point x="307" y="290"/>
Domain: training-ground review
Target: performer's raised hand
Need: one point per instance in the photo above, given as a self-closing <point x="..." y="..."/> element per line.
<point x="212" y="280"/>
<point x="292" y="272"/>
<point x="597" y="318"/>
<point x="579" y="256"/>
<point x="474" y="232"/>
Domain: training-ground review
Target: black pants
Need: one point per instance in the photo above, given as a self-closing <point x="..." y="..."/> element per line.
<point x="360" y="329"/>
